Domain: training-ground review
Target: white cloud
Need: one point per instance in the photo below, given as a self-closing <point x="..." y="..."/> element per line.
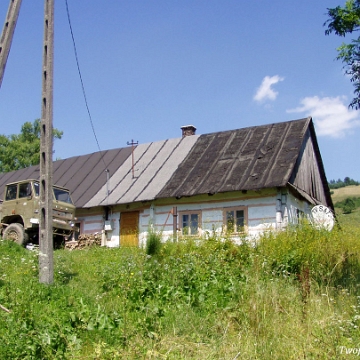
<point x="331" y="115"/>
<point x="265" y="91"/>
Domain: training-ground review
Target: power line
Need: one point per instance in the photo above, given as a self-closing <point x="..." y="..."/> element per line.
<point x="82" y="83"/>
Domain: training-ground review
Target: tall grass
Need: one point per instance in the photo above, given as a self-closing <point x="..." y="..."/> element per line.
<point x="294" y="295"/>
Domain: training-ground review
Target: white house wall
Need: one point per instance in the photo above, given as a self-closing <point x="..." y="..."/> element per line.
<point x="94" y="223"/>
<point x="292" y="208"/>
<point x="261" y="214"/>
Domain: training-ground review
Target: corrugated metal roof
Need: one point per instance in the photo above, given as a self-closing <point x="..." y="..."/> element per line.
<point x="243" y="159"/>
<point x="82" y="175"/>
<point x="154" y="164"/>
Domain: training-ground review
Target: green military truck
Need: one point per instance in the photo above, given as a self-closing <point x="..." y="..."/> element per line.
<point x="20" y="212"/>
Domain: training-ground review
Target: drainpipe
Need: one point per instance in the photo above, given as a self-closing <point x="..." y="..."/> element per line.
<point x="278" y="211"/>
<point x="175" y="216"/>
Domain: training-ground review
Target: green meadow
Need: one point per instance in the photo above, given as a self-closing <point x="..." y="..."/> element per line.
<point x="293" y="295"/>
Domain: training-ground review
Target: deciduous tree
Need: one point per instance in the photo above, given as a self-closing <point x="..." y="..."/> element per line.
<point x="18" y="151"/>
<point x="345" y="20"/>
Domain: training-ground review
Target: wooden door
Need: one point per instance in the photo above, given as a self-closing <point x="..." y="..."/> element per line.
<point x="129" y="228"/>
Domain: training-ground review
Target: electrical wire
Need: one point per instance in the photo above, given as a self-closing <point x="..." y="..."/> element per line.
<point x="82" y="82"/>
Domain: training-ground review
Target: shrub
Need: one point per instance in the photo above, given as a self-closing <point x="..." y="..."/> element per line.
<point x="353" y="202"/>
<point x="153" y="243"/>
<point x="349" y="206"/>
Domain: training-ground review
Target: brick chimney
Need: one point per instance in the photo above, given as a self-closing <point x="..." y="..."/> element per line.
<point x="188" y="130"/>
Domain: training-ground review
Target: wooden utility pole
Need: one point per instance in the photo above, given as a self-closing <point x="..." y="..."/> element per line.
<point x="7" y="34"/>
<point x="46" y="247"/>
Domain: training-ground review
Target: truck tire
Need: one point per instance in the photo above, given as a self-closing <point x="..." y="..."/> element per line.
<point x="16" y="233"/>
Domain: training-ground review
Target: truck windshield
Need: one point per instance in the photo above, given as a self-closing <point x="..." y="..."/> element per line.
<point x="62" y="195"/>
<point x="59" y="194"/>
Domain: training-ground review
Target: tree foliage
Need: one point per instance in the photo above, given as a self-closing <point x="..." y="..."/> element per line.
<point x="18" y="151"/>
<point x="348" y="203"/>
<point x="342" y="183"/>
<point x="349" y="206"/>
<point x="342" y="21"/>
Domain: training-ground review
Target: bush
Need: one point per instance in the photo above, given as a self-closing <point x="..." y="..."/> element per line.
<point x="153" y="243"/>
<point x="349" y="206"/>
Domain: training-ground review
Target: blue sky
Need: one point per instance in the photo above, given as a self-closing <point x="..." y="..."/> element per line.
<point x="151" y="66"/>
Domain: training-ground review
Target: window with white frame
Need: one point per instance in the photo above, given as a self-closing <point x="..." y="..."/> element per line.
<point x="190" y="222"/>
<point x="235" y="219"/>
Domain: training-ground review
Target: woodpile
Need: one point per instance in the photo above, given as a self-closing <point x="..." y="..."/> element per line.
<point x="84" y="241"/>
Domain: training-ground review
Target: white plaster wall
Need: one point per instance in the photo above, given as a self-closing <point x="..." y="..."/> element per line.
<point x="92" y="223"/>
<point x="292" y="204"/>
<point x="261" y="217"/>
<point x="212" y="220"/>
<point x="112" y="237"/>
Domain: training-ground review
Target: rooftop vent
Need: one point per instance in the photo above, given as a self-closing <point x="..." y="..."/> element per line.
<point x="188" y="130"/>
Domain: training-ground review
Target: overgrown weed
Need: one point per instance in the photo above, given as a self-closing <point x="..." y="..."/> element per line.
<point x="293" y="295"/>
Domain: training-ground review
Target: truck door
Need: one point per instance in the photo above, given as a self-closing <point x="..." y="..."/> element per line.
<point x="9" y="208"/>
<point x="25" y="203"/>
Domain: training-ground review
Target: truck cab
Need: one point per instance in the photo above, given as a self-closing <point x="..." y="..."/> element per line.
<point x="20" y="212"/>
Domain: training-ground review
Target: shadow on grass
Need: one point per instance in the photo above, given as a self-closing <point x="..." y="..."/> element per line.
<point x="64" y="277"/>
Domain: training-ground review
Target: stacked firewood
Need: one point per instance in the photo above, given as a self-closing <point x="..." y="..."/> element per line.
<point x="84" y="241"/>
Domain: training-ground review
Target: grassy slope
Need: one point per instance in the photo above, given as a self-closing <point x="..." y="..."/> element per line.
<point x="343" y="193"/>
<point x="295" y="296"/>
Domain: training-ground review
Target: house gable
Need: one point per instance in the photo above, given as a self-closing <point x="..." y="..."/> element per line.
<point x="308" y="175"/>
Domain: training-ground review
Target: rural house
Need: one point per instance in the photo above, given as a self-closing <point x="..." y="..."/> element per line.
<point x="242" y="181"/>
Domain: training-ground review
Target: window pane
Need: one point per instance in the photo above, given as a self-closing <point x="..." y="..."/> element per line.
<point x="24" y="190"/>
<point x="11" y="192"/>
<point x="194" y="224"/>
<point x="62" y="195"/>
<point x="230" y="221"/>
<point x="185" y="224"/>
<point x="37" y="188"/>
<point x="240" y="220"/>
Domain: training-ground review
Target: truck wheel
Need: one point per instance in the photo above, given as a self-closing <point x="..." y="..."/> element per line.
<point x="16" y="233"/>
